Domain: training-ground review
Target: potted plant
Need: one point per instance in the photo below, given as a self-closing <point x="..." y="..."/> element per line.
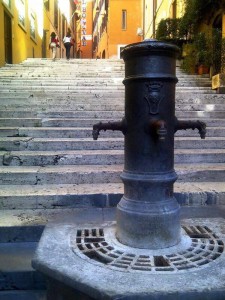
<point x="203" y="52"/>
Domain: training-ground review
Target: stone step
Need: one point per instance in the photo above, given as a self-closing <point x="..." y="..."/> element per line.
<point x="118" y="106"/>
<point x="16" y="270"/>
<point x="79" y="79"/>
<point x="41" y="144"/>
<point x="103" y="115"/>
<point x="84" y="132"/>
<point x="110" y="92"/>
<point x="104" y="81"/>
<point x="93" y="157"/>
<point x="24" y="231"/>
<point x="46" y="201"/>
<point x="50" y="74"/>
<point x="96" y="99"/>
<point x="218" y="116"/>
<point x="104" y="85"/>
<point x="77" y="174"/>
<point x="74" y="119"/>
<point x="78" y="122"/>
<point x="11" y="113"/>
<point x="50" y="168"/>
<point x="23" y="295"/>
<point x="46" y="75"/>
<point x="72" y="174"/>
<point x="190" y="97"/>
<point x="48" y="144"/>
<point x="54" y="132"/>
<point x="68" y="106"/>
<point x="24" y="135"/>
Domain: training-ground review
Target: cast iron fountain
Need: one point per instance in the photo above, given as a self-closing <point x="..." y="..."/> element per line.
<point x="148" y="214"/>
<point x="148" y="253"/>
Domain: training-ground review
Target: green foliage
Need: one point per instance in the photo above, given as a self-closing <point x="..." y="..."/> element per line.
<point x="195" y="12"/>
<point x="217" y="50"/>
<point x="189" y="61"/>
<point x="222" y="69"/>
<point x="203" y="49"/>
<point x="168" y="29"/>
<point x="189" y="19"/>
<point x="207" y="49"/>
<point x="188" y="64"/>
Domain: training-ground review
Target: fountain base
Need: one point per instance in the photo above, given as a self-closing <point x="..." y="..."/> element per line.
<point x="88" y="262"/>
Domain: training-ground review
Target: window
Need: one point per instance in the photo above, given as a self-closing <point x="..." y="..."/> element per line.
<point x="7" y="2"/>
<point x="21" y="12"/>
<point x="124" y="19"/>
<point x="32" y="25"/>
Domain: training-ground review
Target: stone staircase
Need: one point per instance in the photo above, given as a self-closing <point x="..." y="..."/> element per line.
<point x="51" y="165"/>
<point x="48" y="157"/>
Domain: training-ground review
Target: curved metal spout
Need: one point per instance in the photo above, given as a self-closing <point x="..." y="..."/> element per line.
<point x="158" y="129"/>
<point x="188" y="124"/>
<point x="121" y="126"/>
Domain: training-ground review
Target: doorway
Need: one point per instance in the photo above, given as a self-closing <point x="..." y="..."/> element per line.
<point x="8" y="38"/>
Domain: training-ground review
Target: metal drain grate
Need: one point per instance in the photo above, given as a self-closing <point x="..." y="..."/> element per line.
<point x="205" y="247"/>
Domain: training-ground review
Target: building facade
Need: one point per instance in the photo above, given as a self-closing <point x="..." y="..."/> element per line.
<point x="116" y="24"/>
<point x="26" y="25"/>
<point x="84" y="27"/>
<point x="156" y="10"/>
<point x="21" y="30"/>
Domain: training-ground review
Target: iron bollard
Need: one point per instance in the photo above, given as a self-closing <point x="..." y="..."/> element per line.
<point x="148" y="214"/>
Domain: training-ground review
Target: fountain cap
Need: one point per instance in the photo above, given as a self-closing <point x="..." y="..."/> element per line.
<point x="148" y="47"/>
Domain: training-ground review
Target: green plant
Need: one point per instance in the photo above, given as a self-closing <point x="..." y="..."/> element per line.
<point x="222" y="61"/>
<point x="195" y="12"/>
<point x="217" y="50"/>
<point x="189" y="61"/>
<point x="203" y="49"/>
<point x="168" y="29"/>
<point x="188" y="64"/>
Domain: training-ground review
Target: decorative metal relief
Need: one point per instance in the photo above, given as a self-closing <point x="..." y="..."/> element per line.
<point x="153" y="96"/>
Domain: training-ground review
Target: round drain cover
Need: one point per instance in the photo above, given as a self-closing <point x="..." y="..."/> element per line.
<point x="204" y="247"/>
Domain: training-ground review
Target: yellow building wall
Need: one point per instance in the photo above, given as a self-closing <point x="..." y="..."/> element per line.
<point x="23" y="44"/>
<point x="223" y="26"/>
<point x="148" y="18"/>
<point x="163" y="11"/>
<point x="49" y="28"/>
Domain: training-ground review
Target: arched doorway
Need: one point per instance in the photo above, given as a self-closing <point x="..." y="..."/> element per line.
<point x="103" y="54"/>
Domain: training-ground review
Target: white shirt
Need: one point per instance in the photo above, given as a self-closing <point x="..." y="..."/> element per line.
<point x="66" y="39"/>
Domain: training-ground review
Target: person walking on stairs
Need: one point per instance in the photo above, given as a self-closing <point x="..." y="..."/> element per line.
<point x="54" y="44"/>
<point x="67" y="40"/>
